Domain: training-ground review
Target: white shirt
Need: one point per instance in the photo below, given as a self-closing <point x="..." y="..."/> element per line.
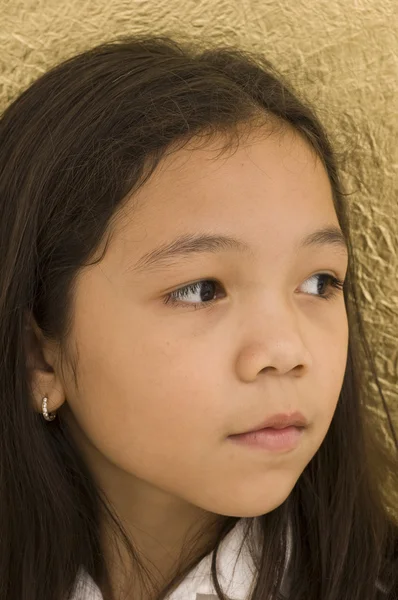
<point x="236" y="573"/>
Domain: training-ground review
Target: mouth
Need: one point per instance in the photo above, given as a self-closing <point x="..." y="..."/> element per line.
<point x="283" y="439"/>
<point x="279" y="421"/>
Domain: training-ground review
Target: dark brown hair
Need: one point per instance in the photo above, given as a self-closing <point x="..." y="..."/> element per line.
<point x="74" y="145"/>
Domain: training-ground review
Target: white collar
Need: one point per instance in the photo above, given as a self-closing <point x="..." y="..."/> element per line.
<point x="236" y="573"/>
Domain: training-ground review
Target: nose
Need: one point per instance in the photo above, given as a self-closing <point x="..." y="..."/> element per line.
<point x="272" y="341"/>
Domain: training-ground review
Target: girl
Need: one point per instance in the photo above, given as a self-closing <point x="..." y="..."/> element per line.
<point x="181" y="357"/>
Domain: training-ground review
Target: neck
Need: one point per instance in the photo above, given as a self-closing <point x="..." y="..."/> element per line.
<point x="159" y="555"/>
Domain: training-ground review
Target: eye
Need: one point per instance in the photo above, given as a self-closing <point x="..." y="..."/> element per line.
<point x="207" y="291"/>
<point x="198" y="294"/>
<point x="323" y="285"/>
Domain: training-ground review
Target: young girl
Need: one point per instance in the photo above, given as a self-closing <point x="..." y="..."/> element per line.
<point x="183" y="414"/>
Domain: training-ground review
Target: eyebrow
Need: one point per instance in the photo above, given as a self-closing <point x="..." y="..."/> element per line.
<point x="188" y="244"/>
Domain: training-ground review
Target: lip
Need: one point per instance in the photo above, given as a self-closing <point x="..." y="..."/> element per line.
<point x="270" y="439"/>
<point x="280" y="421"/>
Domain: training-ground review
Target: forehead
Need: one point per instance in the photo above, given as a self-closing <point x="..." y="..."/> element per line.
<point x="270" y="182"/>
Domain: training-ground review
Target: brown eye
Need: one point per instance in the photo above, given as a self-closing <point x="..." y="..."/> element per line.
<point x="204" y="292"/>
<point x="322" y="285"/>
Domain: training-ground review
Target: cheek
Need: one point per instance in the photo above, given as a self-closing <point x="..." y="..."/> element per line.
<point x="145" y="400"/>
<point x="329" y="369"/>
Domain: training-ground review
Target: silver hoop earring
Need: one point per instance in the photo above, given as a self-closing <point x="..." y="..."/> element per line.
<point x="48" y="416"/>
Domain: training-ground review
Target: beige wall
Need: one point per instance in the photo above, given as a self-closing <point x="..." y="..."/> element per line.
<point x="339" y="52"/>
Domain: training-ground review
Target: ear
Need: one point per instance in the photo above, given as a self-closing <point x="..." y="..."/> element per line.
<point x="42" y="362"/>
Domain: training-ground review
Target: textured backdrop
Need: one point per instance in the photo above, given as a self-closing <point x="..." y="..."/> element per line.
<point x="341" y="53"/>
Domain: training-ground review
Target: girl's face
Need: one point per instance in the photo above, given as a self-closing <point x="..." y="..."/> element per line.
<point x="166" y="376"/>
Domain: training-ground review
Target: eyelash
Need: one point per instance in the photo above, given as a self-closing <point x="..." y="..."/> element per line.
<point x="175" y="298"/>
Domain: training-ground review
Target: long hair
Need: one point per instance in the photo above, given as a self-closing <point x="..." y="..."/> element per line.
<point x="74" y="145"/>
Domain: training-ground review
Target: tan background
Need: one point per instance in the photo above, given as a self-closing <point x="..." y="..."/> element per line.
<point x="341" y="53"/>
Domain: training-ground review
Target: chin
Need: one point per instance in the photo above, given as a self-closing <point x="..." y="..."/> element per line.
<point x="252" y="511"/>
<point x="250" y="507"/>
